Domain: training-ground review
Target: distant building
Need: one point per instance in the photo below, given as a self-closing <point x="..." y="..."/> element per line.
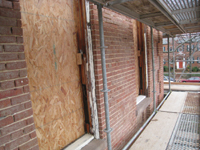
<point x="182" y="53"/>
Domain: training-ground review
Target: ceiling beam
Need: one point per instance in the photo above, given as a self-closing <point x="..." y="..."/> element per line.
<point x="151" y="15"/>
<point x="197" y="20"/>
<point x="192" y="27"/>
<point x="115" y="2"/>
<point x="197" y="8"/>
<point x="168" y="15"/>
<point x="162" y="24"/>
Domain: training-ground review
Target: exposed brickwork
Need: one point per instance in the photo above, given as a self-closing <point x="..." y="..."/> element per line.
<point x="158" y="60"/>
<point x="121" y="75"/>
<point x="17" y="129"/>
<point x="120" y="63"/>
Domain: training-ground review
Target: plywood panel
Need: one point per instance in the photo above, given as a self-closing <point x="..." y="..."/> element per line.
<point x="50" y="38"/>
<point x="51" y="48"/>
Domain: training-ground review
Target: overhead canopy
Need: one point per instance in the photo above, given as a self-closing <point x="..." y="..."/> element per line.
<point x="169" y="16"/>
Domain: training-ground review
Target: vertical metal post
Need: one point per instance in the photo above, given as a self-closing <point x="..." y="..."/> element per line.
<point x="190" y="55"/>
<point x="153" y="67"/>
<point x="168" y="64"/>
<point x="174" y="63"/>
<point x="105" y="89"/>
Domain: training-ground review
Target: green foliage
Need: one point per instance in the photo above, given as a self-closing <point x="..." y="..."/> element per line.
<point x="165" y="68"/>
<point x="195" y="69"/>
<point x="188" y="68"/>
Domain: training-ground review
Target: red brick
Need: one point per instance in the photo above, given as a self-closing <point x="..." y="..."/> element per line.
<point x="29" y="129"/>
<point x="5" y="30"/>
<point x="21" y="56"/>
<point x="1" y="147"/>
<point x="35" y="148"/>
<point x="17" y="142"/>
<point x="8" y="21"/>
<point x="7" y="39"/>
<point x="20" y="99"/>
<point x="17" y="31"/>
<point x="21" y="82"/>
<point x="29" y="121"/>
<point x="15" y="65"/>
<point x="9" y="93"/>
<point x="8" y="57"/>
<point x="2" y="67"/>
<point x="11" y="110"/>
<point x="1" y="3"/>
<point x="6" y="121"/>
<point x="23" y="114"/>
<point x="20" y="40"/>
<point x="9" y="75"/>
<point x="1" y="48"/>
<point x="19" y="23"/>
<point x="16" y="134"/>
<point x="23" y="73"/>
<point x="6" y="4"/>
<point x="32" y="135"/>
<point x="14" y="48"/>
<point x="16" y="5"/>
<point x="10" y="13"/>
<point x="29" y="144"/>
<point x="26" y="89"/>
<point x="13" y="127"/>
<point x="7" y="85"/>
<point x="28" y="105"/>
<point x="4" y="139"/>
<point x="5" y="103"/>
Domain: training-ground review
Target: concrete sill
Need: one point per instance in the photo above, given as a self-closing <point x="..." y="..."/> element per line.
<point x="80" y="143"/>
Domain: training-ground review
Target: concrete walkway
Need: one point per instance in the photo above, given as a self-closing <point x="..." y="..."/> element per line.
<point x="157" y="134"/>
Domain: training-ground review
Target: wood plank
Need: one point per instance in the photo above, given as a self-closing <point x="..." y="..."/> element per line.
<point x="157" y="133"/>
<point x="182" y="87"/>
<point x="174" y="102"/>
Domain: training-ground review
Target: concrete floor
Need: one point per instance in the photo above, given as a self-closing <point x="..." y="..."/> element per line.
<point x="157" y="134"/>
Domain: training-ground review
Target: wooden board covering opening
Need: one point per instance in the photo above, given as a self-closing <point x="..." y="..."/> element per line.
<point x="50" y="39"/>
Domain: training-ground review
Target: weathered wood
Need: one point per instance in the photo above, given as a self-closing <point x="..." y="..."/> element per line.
<point x="92" y="95"/>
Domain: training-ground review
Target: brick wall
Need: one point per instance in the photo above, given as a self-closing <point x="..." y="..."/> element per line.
<point x="158" y="60"/>
<point x="17" y="129"/>
<point x="120" y="63"/>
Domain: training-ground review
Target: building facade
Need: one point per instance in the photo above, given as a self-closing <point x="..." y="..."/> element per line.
<point x="182" y="54"/>
<point x="51" y="74"/>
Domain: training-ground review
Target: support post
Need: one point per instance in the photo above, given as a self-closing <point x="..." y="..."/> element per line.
<point x="190" y="55"/>
<point x="174" y="63"/>
<point x="105" y="89"/>
<point x="153" y="67"/>
<point x="168" y="64"/>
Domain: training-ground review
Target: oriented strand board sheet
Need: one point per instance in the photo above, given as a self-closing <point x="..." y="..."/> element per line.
<point x="174" y="102"/>
<point x="50" y="30"/>
<point x="157" y="134"/>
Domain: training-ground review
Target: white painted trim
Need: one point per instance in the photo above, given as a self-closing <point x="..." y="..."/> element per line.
<point x="177" y="64"/>
<point x="184" y="63"/>
<point x="92" y="94"/>
<point x="145" y="43"/>
<point x="80" y="143"/>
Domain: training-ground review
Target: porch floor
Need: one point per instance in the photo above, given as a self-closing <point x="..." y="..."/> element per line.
<point x="175" y="126"/>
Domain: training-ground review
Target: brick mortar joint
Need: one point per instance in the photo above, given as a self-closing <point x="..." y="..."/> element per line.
<point x="20" y="137"/>
<point x="25" y="109"/>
